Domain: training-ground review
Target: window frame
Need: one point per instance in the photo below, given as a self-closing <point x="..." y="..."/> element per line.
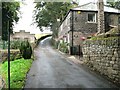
<point x="119" y="20"/>
<point x="93" y="21"/>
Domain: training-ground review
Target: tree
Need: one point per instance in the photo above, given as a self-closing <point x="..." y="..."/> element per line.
<point x="47" y="13"/>
<point x="114" y="3"/>
<point x="9" y="13"/>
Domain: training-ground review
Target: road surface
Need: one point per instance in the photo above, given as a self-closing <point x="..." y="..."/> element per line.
<point x="52" y="70"/>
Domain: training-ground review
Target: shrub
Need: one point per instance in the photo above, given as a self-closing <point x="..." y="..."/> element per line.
<point x="26" y="50"/>
<point x="15" y="44"/>
<point x="56" y="44"/>
<point x="63" y="46"/>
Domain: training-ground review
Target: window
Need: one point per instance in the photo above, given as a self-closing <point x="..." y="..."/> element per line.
<point x="118" y="20"/>
<point x="26" y="38"/>
<point x="66" y="21"/>
<point x="91" y="18"/>
<point x="16" y="38"/>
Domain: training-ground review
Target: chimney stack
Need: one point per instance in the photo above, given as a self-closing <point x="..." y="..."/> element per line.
<point x="101" y="25"/>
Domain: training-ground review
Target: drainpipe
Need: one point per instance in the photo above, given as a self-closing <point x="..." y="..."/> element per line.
<point x="72" y="27"/>
<point x="119" y="36"/>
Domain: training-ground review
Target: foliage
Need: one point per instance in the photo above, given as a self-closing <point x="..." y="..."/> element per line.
<point x="56" y="44"/>
<point x="19" y="69"/>
<point x="111" y="33"/>
<point x="9" y="13"/>
<point x="52" y="41"/>
<point x="114" y="3"/>
<point x="15" y="44"/>
<point x="114" y="30"/>
<point x="47" y="13"/>
<point x="24" y="47"/>
<point x="103" y="38"/>
<point x="63" y="46"/>
<point x="26" y="50"/>
<point x="3" y="44"/>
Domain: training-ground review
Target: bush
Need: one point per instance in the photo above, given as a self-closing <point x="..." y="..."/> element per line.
<point x="18" y="50"/>
<point x="63" y="47"/>
<point x="15" y="44"/>
<point x="3" y="44"/>
<point x="56" y="44"/>
<point x="26" y="50"/>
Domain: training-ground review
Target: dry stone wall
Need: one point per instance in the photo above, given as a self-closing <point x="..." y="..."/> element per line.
<point x="2" y="83"/>
<point x="103" y="55"/>
<point x="15" y="54"/>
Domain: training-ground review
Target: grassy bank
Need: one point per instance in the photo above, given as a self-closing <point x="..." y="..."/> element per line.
<point x="19" y="69"/>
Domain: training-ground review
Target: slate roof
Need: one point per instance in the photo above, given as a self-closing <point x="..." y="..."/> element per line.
<point x="93" y="7"/>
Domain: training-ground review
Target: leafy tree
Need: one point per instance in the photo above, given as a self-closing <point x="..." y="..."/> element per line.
<point x="47" y="13"/>
<point x="9" y="13"/>
<point x="114" y="3"/>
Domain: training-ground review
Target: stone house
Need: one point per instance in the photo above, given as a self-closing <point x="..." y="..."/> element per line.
<point x="22" y="35"/>
<point x="82" y="21"/>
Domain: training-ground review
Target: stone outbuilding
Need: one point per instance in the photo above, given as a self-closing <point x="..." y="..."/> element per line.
<point x="22" y="35"/>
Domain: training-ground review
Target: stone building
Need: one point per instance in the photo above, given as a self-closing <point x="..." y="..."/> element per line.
<point x="82" y="21"/>
<point x="22" y="35"/>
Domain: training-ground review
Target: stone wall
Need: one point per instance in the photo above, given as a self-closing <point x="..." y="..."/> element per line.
<point x="14" y="54"/>
<point x="103" y="55"/>
<point x="2" y="83"/>
<point x="81" y="23"/>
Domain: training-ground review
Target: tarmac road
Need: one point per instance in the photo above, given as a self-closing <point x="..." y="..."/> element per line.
<point x="52" y="70"/>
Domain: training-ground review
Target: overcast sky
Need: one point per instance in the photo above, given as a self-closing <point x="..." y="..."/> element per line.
<point x="86" y="1"/>
<point x="26" y="17"/>
<point x="26" y="20"/>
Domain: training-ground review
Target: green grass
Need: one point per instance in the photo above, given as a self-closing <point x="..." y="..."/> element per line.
<point x="19" y="69"/>
<point x="102" y="38"/>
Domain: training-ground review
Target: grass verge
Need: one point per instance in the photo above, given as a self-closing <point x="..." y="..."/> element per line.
<point x="19" y="69"/>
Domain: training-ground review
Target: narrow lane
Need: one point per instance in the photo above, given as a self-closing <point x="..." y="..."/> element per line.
<point x="51" y="70"/>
